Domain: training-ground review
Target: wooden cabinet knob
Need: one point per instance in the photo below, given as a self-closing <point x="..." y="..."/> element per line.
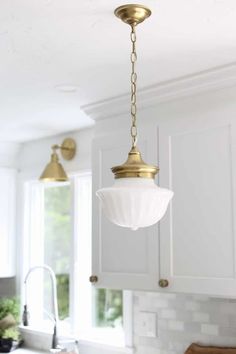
<point x="163" y="283"/>
<point x="93" y="279"/>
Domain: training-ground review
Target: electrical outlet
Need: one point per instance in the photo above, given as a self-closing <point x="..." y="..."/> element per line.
<point x="147" y="325"/>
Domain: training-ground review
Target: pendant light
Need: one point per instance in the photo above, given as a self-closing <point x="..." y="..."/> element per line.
<point x="54" y="171"/>
<point x="134" y="201"/>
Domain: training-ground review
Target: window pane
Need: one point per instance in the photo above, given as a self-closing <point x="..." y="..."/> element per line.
<point x="50" y="214"/>
<point x="57" y="238"/>
<point x="108" y="309"/>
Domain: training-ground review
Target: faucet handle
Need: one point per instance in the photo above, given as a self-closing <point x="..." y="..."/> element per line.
<point x="25" y="316"/>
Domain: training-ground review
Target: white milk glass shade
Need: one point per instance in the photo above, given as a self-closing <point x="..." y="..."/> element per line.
<point x="134" y="202"/>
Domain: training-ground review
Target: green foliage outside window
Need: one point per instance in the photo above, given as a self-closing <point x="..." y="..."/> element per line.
<point x="57" y="242"/>
<point x="9" y="318"/>
<point x="107" y="303"/>
<point x="108" y="308"/>
<point x="63" y="295"/>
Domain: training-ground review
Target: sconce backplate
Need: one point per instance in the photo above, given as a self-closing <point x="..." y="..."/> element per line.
<point x="68" y="148"/>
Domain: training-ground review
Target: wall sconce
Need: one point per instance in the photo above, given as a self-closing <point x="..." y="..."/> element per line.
<point x="54" y="172"/>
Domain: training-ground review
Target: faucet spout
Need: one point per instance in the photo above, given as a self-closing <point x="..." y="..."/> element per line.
<point x="55" y="316"/>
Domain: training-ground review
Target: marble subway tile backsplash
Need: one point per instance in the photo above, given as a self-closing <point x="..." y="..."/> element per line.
<point x="184" y="319"/>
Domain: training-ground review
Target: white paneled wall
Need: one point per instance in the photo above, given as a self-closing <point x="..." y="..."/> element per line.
<point x="182" y="320"/>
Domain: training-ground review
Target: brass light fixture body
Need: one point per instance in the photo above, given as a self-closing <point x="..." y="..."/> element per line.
<point x="54" y="172"/>
<point x="134" y="166"/>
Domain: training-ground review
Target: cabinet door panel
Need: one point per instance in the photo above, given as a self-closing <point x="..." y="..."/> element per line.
<point x="203" y="161"/>
<point x="122" y="258"/>
<point x="197" y="236"/>
<point x="7" y="222"/>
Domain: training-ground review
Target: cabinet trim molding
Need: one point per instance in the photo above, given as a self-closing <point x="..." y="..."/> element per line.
<point x="213" y="79"/>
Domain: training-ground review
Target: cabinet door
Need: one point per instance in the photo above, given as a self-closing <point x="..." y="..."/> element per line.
<point x="121" y="258"/>
<point x="197" y="235"/>
<point x="7" y="222"/>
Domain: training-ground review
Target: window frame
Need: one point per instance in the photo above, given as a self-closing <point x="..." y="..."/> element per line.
<point x="75" y="240"/>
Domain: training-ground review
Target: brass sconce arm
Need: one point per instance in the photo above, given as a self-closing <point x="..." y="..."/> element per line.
<point x="56" y="147"/>
<point x="68" y="148"/>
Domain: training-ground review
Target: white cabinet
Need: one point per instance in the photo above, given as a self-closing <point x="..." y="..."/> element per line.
<point x="7" y="221"/>
<point x="122" y="258"/>
<point x="197" y="236"/>
<point x="194" y="245"/>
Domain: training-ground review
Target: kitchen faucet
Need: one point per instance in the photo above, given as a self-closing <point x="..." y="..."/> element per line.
<point x="55" y="318"/>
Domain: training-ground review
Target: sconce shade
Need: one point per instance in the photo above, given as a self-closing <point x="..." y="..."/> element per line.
<point x="54" y="172"/>
<point x="134" y="202"/>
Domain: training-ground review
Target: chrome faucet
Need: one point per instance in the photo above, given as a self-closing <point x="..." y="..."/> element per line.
<point x="55" y="318"/>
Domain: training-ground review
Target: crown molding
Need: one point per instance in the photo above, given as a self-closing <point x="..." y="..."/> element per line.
<point x="208" y="80"/>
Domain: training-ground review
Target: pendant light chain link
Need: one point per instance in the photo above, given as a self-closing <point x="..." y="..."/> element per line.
<point x="133" y="77"/>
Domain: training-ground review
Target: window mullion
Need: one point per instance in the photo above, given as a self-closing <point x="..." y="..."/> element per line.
<point x="73" y="291"/>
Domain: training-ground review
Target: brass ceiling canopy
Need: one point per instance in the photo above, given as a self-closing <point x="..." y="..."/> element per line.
<point x="54" y="172"/>
<point x="134" y="166"/>
<point x="133" y="14"/>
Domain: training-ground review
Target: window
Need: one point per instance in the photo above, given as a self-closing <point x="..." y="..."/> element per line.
<point x="58" y="233"/>
<point x="108" y="308"/>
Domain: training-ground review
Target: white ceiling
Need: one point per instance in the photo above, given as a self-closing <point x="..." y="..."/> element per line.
<point x="51" y="46"/>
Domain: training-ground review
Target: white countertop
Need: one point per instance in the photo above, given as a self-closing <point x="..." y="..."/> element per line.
<point x="28" y="351"/>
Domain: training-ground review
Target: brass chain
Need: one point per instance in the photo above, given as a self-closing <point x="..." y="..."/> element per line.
<point x="133" y="78"/>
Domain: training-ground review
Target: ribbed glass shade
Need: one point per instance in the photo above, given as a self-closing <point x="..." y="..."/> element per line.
<point x="134" y="202"/>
